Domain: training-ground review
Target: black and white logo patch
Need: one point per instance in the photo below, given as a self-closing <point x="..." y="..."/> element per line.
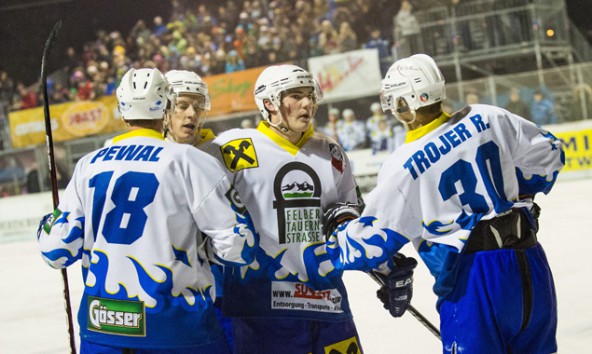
<point x="297" y="190"/>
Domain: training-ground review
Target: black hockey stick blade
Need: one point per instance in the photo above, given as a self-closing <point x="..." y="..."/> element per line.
<point x="54" y="186"/>
<point x="412" y="310"/>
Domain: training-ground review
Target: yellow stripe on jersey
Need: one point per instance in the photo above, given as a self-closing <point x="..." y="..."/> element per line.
<point x="206" y="135"/>
<point x="264" y="128"/>
<point x="149" y="133"/>
<point x="421" y="131"/>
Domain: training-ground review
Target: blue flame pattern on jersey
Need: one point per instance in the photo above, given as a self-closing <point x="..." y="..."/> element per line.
<point x="371" y="248"/>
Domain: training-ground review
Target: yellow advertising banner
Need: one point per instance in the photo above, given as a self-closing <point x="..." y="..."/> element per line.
<point x="229" y="93"/>
<point x="578" y="149"/>
<point x="70" y="120"/>
<point x="232" y="92"/>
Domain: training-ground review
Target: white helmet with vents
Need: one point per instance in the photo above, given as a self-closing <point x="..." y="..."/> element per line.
<point x="188" y="82"/>
<point x="279" y="78"/>
<point x="142" y="94"/>
<point x="417" y="79"/>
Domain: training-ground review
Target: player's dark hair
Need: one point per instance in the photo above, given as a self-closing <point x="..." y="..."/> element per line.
<point x="155" y="124"/>
<point x="431" y="110"/>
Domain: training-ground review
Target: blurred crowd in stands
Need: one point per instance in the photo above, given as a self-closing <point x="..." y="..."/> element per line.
<point x="378" y="131"/>
<point x="235" y="35"/>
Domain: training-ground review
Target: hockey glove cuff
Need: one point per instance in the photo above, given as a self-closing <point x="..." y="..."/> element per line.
<point x="338" y="213"/>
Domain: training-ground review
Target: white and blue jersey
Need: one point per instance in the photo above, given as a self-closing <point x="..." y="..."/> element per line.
<point x="448" y="176"/>
<point x="134" y="213"/>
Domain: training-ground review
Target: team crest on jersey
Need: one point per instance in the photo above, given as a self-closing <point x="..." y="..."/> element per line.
<point x="297" y="190"/>
<point x="239" y="154"/>
<point x="337" y="160"/>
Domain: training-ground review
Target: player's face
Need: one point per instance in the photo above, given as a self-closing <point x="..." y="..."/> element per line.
<point x="187" y="118"/>
<point x="298" y="108"/>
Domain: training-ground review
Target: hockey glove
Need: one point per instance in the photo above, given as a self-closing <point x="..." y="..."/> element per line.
<point x="397" y="290"/>
<point x="338" y="213"/>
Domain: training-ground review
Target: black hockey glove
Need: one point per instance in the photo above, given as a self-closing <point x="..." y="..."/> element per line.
<point x="338" y="213"/>
<point x="397" y="290"/>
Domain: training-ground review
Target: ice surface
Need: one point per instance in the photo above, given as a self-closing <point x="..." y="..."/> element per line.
<point x="33" y="320"/>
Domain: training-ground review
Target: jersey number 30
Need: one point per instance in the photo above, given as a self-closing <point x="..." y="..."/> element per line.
<point x="132" y="192"/>
<point x="490" y="169"/>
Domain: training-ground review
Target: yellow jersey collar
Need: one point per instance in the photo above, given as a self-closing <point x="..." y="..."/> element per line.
<point x="148" y="133"/>
<point x="431" y="126"/>
<point x="206" y="134"/>
<point x="293" y="149"/>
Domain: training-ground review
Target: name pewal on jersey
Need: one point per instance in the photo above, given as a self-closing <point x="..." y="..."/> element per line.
<point x="147" y="153"/>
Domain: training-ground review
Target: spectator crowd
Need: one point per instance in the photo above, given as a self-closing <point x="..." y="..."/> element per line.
<point x="228" y="37"/>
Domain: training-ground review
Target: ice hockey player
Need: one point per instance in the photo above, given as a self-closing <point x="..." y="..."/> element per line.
<point x="188" y="108"/>
<point x="132" y="213"/>
<point x="461" y="189"/>
<point x="292" y="299"/>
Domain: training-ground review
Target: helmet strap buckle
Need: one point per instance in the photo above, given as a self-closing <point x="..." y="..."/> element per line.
<point x="403" y="112"/>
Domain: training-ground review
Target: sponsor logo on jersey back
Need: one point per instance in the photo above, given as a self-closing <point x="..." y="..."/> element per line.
<point x="126" y="318"/>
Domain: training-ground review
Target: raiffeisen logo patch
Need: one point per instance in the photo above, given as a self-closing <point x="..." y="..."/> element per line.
<point x="239" y="154"/>
<point x="127" y="318"/>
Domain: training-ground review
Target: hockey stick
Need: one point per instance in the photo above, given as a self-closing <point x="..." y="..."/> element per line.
<point x="52" y="171"/>
<point x="421" y="318"/>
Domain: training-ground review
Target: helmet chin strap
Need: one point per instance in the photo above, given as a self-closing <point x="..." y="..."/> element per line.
<point x="404" y="113"/>
<point x="281" y="125"/>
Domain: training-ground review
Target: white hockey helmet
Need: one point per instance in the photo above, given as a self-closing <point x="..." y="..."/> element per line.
<point x="417" y="79"/>
<point x="142" y="94"/>
<point x="279" y="78"/>
<point x="188" y="82"/>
